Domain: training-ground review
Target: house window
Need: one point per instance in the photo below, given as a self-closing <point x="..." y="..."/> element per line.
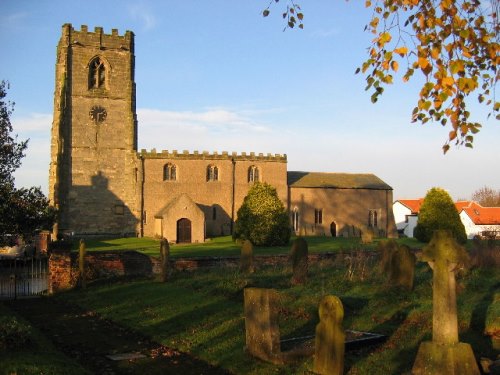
<point x="144" y="217"/>
<point x="97" y="74"/>
<point x="318" y="216"/>
<point x="212" y="173"/>
<point x="372" y="219"/>
<point x="169" y="172"/>
<point x="253" y="174"/>
<point x="295" y="219"/>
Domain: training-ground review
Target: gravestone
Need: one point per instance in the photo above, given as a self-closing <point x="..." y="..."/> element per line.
<point x="299" y="258"/>
<point x="261" y="324"/>
<point x="246" y="258"/>
<point x="330" y="338"/>
<point x="81" y="263"/>
<point x="386" y="248"/>
<point x="367" y="236"/>
<point x="402" y="272"/>
<point x="164" y="254"/>
<point x="444" y="354"/>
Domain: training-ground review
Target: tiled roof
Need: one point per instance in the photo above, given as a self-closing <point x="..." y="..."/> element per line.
<point x="412" y="204"/>
<point x="478" y="214"/>
<point x="335" y="180"/>
<point x="482" y="215"/>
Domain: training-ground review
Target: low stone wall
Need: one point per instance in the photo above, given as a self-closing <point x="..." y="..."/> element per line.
<point x="64" y="271"/>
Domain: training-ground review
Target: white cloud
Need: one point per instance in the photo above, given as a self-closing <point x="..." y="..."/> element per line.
<point x="35" y="122"/>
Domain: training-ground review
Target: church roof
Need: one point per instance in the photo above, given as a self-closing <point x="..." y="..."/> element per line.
<point x="336" y="180"/>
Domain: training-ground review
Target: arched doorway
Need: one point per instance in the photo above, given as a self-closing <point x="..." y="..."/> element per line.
<point x="333" y="229"/>
<point x="184" y="231"/>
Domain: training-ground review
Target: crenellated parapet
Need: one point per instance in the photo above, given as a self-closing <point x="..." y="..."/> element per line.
<point x="97" y="38"/>
<point x="205" y="155"/>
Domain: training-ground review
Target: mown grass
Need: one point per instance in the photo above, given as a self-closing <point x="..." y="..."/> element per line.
<point x="37" y="356"/>
<point x="202" y="313"/>
<point x="225" y="246"/>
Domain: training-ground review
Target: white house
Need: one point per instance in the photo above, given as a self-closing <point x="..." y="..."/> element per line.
<point x="406" y="215"/>
<point x="480" y="221"/>
<point x="477" y="220"/>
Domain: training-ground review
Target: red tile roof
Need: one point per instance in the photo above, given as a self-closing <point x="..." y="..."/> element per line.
<point x="482" y="215"/>
<point x="412" y="204"/>
<point x="478" y="214"/>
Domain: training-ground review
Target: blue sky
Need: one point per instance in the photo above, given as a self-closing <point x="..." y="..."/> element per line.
<point x="217" y="76"/>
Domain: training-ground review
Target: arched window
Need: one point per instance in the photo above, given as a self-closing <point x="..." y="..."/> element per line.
<point x="372" y="219"/>
<point x="212" y="173"/>
<point x="97" y="74"/>
<point x="253" y="174"/>
<point x="169" y="172"/>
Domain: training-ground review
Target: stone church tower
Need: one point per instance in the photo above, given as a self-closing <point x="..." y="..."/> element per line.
<point x="93" y="174"/>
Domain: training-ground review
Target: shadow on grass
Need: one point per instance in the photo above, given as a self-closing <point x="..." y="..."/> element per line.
<point x="88" y="338"/>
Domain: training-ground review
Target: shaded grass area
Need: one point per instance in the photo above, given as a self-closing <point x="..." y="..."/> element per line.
<point x="37" y="356"/>
<point x="225" y="246"/>
<point x="201" y="313"/>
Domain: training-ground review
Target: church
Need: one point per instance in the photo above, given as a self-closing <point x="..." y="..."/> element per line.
<point x="103" y="185"/>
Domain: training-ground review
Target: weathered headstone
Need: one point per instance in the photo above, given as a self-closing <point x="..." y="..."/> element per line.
<point x="444" y="354"/>
<point x="164" y="254"/>
<point x="386" y="249"/>
<point x="81" y="263"/>
<point x="402" y="272"/>
<point x="246" y="258"/>
<point x="330" y="338"/>
<point x="261" y="324"/>
<point x="299" y="258"/>
<point x="367" y="236"/>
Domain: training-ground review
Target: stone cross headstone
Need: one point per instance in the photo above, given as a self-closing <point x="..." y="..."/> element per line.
<point x="299" y="258"/>
<point x="164" y="254"/>
<point x="246" y="258"/>
<point x="81" y="263"/>
<point x="261" y="324"/>
<point x="330" y="338"/>
<point x="402" y="271"/>
<point x="444" y="354"/>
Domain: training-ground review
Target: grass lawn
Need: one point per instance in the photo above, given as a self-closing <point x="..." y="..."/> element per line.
<point x="225" y="246"/>
<point x="201" y="313"/>
<point x="36" y="356"/>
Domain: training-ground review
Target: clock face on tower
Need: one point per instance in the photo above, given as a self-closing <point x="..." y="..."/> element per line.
<point x="97" y="114"/>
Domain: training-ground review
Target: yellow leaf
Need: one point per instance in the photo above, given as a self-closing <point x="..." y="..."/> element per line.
<point x="453" y="135"/>
<point x="401" y="51"/>
<point x="448" y="81"/>
<point x="394" y="66"/>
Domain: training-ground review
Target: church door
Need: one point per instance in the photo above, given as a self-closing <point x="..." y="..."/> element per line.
<point x="333" y="229"/>
<point x="184" y="231"/>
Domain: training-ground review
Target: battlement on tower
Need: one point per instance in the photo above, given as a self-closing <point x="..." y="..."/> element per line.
<point x="205" y="155"/>
<point x="97" y="38"/>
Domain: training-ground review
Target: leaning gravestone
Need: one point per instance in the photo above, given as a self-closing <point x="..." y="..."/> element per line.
<point x="330" y="338"/>
<point x="444" y="354"/>
<point x="164" y="254"/>
<point x="261" y="324"/>
<point x="402" y="270"/>
<point x="246" y="258"/>
<point x="299" y="258"/>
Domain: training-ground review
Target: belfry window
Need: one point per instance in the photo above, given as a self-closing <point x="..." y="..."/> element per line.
<point x="97" y="74"/>
<point x="253" y="174"/>
<point x="212" y="173"/>
<point x="169" y="172"/>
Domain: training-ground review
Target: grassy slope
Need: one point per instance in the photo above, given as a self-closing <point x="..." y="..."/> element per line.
<point x="38" y="357"/>
<point x="202" y="313"/>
